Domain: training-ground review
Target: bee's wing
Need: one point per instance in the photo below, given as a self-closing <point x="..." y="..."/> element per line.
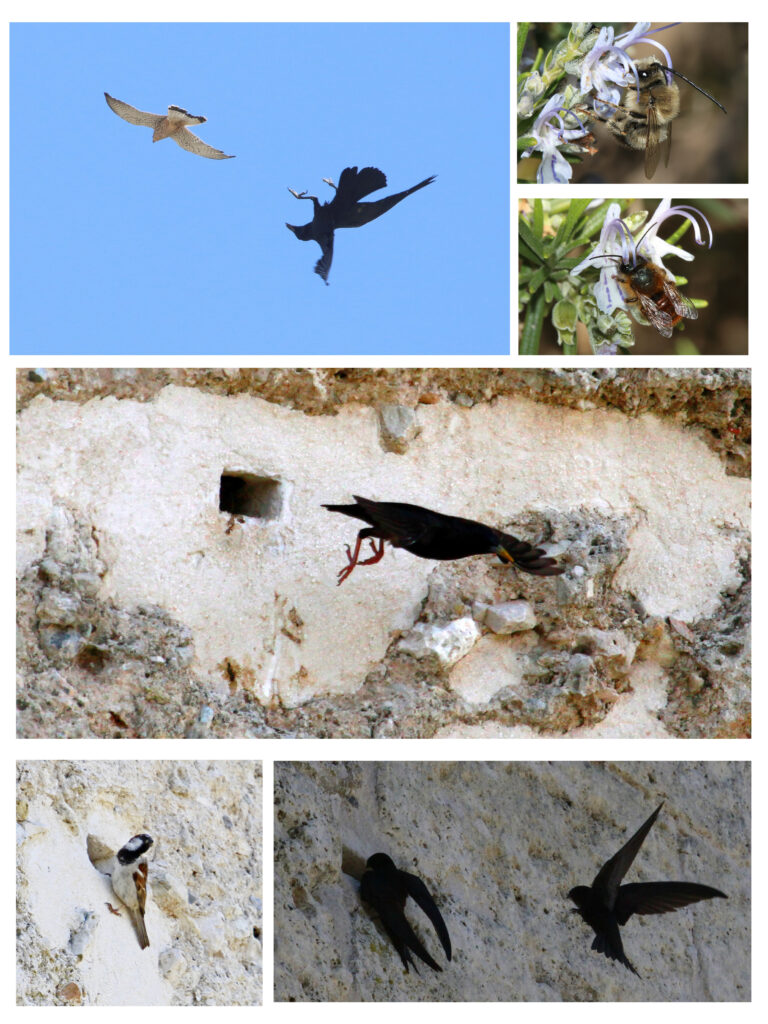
<point x="652" y="151"/>
<point x="681" y="304"/>
<point x="656" y="317"/>
<point x="668" y="144"/>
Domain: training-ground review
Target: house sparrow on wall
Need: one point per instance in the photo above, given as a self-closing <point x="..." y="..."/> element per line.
<point x="129" y="881"/>
<point x="127" y="870"/>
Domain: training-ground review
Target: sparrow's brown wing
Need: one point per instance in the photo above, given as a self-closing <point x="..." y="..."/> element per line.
<point x="611" y="873"/>
<point x="660" y="897"/>
<point x="140" y="879"/>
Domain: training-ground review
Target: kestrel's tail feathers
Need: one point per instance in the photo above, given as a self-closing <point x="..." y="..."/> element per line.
<point x="186" y="117"/>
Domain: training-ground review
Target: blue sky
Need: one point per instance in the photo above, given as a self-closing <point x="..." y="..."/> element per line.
<point x="119" y="246"/>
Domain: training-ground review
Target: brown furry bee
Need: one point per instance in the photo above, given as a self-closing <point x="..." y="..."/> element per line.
<point x="644" y="121"/>
<point x="646" y="284"/>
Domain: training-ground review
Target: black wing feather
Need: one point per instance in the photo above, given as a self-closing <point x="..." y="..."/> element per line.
<point x="611" y="873"/>
<point x="418" y="891"/>
<point x="660" y="897"/>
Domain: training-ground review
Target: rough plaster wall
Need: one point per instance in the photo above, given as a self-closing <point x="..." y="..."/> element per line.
<point x="642" y="510"/>
<point x="204" y="894"/>
<point x="499" y="846"/>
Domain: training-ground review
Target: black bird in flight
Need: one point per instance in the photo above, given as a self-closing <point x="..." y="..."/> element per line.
<point x="606" y="904"/>
<point x="433" y="535"/>
<point x="345" y="209"/>
<point x="385" y="888"/>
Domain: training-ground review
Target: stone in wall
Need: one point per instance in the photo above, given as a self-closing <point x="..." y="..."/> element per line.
<point x="499" y="846"/>
<point x="204" y="903"/>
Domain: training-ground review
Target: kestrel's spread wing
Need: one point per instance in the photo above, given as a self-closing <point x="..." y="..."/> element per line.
<point x="168" y="126"/>
<point x="189" y="141"/>
<point x="132" y="115"/>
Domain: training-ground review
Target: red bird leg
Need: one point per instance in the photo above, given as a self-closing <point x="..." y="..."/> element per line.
<point x="352" y="558"/>
<point x="351" y="561"/>
<point x="378" y="554"/>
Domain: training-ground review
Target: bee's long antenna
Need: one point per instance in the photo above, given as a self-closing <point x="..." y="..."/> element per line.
<point x="697" y="87"/>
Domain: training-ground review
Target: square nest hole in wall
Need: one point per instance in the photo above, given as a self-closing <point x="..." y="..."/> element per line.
<point x="247" y="494"/>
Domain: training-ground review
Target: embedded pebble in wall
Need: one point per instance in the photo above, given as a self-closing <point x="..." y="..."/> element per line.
<point x="397" y="427"/>
<point x="510" y="617"/>
<point x="442" y="646"/>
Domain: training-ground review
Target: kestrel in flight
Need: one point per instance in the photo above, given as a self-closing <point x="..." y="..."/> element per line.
<point x="168" y="126"/>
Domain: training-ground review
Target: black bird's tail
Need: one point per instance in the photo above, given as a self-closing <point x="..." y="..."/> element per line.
<point x="609" y="944"/>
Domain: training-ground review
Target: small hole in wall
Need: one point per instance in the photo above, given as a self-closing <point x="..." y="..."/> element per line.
<point x="245" y="494"/>
<point x="352" y="863"/>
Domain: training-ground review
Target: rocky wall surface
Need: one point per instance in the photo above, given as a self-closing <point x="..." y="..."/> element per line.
<point x="204" y="903"/>
<point x="177" y="570"/>
<point x="499" y="846"/>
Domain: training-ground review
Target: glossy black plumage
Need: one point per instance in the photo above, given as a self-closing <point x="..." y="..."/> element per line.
<point x="606" y="904"/>
<point x="431" y="534"/>
<point x="385" y="888"/>
<point x="345" y="209"/>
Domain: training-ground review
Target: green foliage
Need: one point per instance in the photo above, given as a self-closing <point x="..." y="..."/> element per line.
<point x="544" y="77"/>
<point x="548" y="231"/>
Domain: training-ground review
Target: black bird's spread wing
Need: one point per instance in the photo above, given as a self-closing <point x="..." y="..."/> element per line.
<point x="323" y="265"/>
<point x="660" y="897"/>
<point x="379" y="893"/>
<point x="418" y="891"/>
<point x="611" y="873"/>
<point x="354" y="184"/>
